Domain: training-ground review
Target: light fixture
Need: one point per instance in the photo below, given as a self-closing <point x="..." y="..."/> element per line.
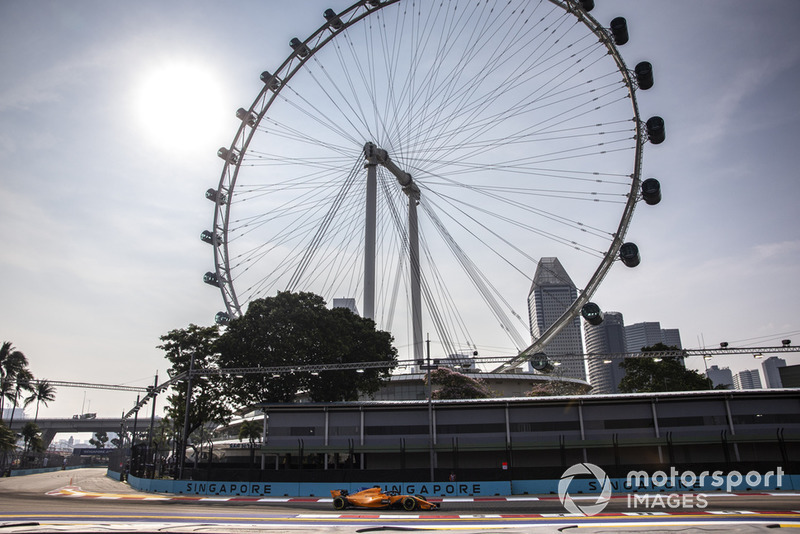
<point x="707" y="356"/>
<point x="656" y="359"/>
<point x="556" y="363"/>
<point x="606" y="361"/>
<point x="757" y="355"/>
<point x="359" y="370"/>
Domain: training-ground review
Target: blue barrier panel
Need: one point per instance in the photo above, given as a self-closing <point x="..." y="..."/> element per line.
<point x="23" y="472"/>
<point x="655" y="482"/>
<point x="534" y="487"/>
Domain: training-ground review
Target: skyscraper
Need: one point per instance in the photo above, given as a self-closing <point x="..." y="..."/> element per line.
<point x="748" y="379"/>
<point x="607" y="338"/>
<point x="720" y="376"/>
<point x="772" y="377"/>
<point x="552" y="292"/>
<point x="648" y="334"/>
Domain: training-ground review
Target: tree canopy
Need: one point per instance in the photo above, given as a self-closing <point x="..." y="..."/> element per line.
<point x="288" y="330"/>
<point x="454" y="385"/>
<point x="646" y="375"/>
<point x="16" y="379"/>
<point x="555" y="388"/>
<point x="297" y="329"/>
<point x="207" y="401"/>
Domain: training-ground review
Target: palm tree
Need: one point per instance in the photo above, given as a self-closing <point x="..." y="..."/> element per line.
<point x="12" y="362"/>
<point x="22" y="382"/>
<point x="43" y="392"/>
<point x="29" y="432"/>
<point x="250" y="430"/>
<point x="8" y="439"/>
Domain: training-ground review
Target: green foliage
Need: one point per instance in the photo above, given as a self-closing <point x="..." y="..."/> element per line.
<point x="455" y="385"/>
<point x="555" y="388"/>
<point x="207" y="401"/>
<point x="251" y="431"/>
<point x="297" y="329"/>
<point x="8" y="439"/>
<point x="43" y="392"/>
<point x="645" y="375"/>
<point x="31" y="437"/>
<point x="99" y="440"/>
<point x="15" y="377"/>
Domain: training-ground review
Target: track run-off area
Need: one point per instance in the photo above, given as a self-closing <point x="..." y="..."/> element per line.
<point x="89" y="500"/>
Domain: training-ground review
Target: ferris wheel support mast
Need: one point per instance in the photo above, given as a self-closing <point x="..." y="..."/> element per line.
<point x="376" y="156"/>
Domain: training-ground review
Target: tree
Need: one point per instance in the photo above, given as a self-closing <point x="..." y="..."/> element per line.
<point x="455" y="385"/>
<point x="207" y="401"/>
<point x="43" y="392"/>
<point x="8" y="439"/>
<point x="646" y="375"/>
<point x="251" y="431"/>
<point x="13" y="363"/>
<point x="29" y="432"/>
<point x="297" y="329"/>
<point x="21" y="383"/>
<point x="99" y="440"/>
<point x="555" y="388"/>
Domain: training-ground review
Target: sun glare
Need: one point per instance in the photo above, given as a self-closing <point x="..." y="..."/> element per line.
<point x="179" y="106"/>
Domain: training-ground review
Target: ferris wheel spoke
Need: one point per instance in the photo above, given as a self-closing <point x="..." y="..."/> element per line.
<point x="518" y="122"/>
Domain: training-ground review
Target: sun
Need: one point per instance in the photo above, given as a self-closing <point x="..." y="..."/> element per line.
<point x="179" y="106"/>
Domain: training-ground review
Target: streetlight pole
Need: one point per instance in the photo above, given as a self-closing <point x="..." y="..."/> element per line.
<point x="152" y="422"/>
<point x="133" y="436"/>
<point x="181" y="456"/>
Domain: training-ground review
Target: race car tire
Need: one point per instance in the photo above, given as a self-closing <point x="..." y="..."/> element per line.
<point x="339" y="503"/>
<point x="409" y="503"/>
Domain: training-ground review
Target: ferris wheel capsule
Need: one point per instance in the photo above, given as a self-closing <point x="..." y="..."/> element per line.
<point x="592" y="313"/>
<point x="301" y="49"/>
<point x="655" y="130"/>
<point x="211" y="279"/>
<point x="270" y="80"/>
<point x="541" y="363"/>
<point x="644" y="75"/>
<point x="619" y="30"/>
<point x="333" y="19"/>
<point x="629" y="254"/>
<point x="651" y="191"/>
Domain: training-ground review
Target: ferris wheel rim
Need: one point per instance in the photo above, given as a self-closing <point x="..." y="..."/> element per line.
<point x="318" y="40"/>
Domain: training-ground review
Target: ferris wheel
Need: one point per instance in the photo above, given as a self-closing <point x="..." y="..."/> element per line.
<point x="419" y="158"/>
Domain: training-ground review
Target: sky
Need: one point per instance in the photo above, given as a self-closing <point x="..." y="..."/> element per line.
<point x="103" y="174"/>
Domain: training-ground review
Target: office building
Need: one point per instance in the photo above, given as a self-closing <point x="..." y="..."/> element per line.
<point x="720" y="377"/>
<point x="606" y="339"/>
<point x="552" y="292"/>
<point x="647" y="334"/>
<point x="748" y="379"/>
<point x="790" y="376"/>
<point x="772" y="377"/>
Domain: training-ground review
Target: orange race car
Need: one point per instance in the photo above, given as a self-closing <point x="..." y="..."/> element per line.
<point x="377" y="498"/>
